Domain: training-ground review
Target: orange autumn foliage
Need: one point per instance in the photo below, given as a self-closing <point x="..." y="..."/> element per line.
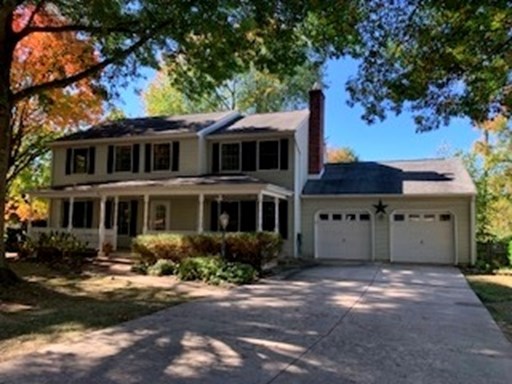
<point x="43" y="57"/>
<point x="39" y="58"/>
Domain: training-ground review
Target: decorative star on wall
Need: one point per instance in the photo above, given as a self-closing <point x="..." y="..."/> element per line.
<point x="380" y="207"/>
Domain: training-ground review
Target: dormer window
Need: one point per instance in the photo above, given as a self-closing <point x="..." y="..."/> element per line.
<point x="230" y="157"/>
<point x="123" y="158"/>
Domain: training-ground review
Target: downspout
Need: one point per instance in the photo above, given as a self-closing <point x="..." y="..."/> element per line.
<point x="297" y="208"/>
<point x="472" y="230"/>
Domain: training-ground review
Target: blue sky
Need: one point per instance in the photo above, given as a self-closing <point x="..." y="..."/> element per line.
<point x="395" y="138"/>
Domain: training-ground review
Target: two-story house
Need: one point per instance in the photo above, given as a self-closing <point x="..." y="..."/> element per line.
<point x="179" y="173"/>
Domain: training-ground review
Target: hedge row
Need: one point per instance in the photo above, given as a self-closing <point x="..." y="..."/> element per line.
<point x="255" y="249"/>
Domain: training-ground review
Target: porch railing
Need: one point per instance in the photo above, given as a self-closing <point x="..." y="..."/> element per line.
<point x="86" y="235"/>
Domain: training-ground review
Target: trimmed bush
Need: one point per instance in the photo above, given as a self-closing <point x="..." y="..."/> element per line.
<point x="166" y="246"/>
<point x="255" y="249"/>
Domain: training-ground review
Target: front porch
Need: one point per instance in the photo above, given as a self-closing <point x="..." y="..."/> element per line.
<point x="112" y="214"/>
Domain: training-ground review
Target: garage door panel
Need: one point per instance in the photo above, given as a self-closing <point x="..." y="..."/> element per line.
<point x="423" y="238"/>
<point x="343" y="236"/>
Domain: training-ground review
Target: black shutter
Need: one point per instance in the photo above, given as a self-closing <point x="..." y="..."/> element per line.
<point x="110" y="159"/>
<point x="108" y="214"/>
<point x="92" y="160"/>
<point x="248" y="216"/>
<point x="214" y="216"/>
<point x="134" y="204"/>
<point x="175" y="156"/>
<point x="135" y="158"/>
<point x="69" y="155"/>
<point x="248" y="156"/>
<point x="215" y="158"/>
<point x="65" y="214"/>
<point x="88" y="214"/>
<point x="284" y="154"/>
<point x="283" y="218"/>
<point x="147" y="158"/>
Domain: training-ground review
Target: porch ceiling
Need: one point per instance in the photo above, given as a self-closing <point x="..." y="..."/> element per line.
<point x="193" y="185"/>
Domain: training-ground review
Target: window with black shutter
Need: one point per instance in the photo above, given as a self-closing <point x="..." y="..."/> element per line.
<point x="249" y="156"/>
<point x="123" y="158"/>
<point x="215" y="157"/>
<point x="175" y="156"/>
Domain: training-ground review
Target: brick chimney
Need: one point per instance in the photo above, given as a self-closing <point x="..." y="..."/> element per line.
<point x="316" y="130"/>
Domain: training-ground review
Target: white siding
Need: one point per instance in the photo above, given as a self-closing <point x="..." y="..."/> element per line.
<point x="188" y="165"/>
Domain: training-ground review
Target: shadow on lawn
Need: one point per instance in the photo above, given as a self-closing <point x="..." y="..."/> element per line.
<point x="55" y="302"/>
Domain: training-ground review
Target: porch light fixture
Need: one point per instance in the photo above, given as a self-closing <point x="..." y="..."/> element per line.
<point x="223" y="221"/>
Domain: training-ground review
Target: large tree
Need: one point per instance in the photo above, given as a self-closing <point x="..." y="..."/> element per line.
<point x="253" y="91"/>
<point x="219" y="37"/>
<point x="438" y="59"/>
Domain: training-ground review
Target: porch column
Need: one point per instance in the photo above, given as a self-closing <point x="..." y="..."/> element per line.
<point x="219" y="212"/>
<point x="116" y="213"/>
<point x="200" y="214"/>
<point x="70" y="213"/>
<point x="101" y="230"/>
<point x="276" y="215"/>
<point x="260" y="212"/>
<point x="146" y="215"/>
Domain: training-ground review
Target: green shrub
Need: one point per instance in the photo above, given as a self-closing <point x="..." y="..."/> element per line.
<point x="140" y="268"/>
<point x="61" y="250"/>
<point x="167" y="246"/>
<point x="255" y="249"/>
<point x="237" y="273"/>
<point x="162" y="267"/>
<point x="214" y="270"/>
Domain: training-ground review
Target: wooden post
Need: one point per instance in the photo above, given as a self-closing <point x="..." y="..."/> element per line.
<point x="146" y="215"/>
<point x="276" y="215"/>
<point x="200" y="215"/>
<point x="101" y="230"/>
<point x="260" y="212"/>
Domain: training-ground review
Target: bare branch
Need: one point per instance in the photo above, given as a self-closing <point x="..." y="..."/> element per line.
<point x="38" y="7"/>
<point x="119" y="28"/>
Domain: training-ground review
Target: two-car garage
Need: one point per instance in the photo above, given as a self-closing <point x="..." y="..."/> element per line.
<point x="414" y="236"/>
<point x="399" y="212"/>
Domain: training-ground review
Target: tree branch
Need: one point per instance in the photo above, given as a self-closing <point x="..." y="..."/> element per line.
<point x="64" y="82"/>
<point x="120" y="28"/>
<point x="38" y="7"/>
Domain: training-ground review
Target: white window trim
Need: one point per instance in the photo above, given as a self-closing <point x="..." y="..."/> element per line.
<point x="153" y="205"/>
<point x="115" y="159"/>
<point x="239" y="169"/>
<point x="153" y="170"/>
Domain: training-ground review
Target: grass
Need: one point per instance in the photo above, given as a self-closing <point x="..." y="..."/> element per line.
<point x="48" y="306"/>
<point x="495" y="291"/>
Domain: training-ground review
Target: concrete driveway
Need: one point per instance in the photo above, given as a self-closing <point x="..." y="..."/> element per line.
<point x="331" y="324"/>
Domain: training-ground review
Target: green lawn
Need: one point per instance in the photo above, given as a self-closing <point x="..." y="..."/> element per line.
<point x="495" y="291"/>
<point x="49" y="307"/>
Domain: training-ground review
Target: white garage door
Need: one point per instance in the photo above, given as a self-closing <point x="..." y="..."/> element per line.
<point x="343" y="236"/>
<point x="422" y="237"/>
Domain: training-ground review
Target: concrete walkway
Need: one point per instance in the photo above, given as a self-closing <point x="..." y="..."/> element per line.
<point x="350" y="324"/>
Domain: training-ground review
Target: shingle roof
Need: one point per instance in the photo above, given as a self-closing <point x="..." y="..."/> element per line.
<point x="416" y="177"/>
<point x="149" y="126"/>
<point x="266" y="122"/>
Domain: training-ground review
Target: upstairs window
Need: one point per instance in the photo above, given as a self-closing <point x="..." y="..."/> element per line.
<point x="80" y="160"/>
<point x="269" y="154"/>
<point x="123" y="158"/>
<point x="162" y="157"/>
<point x="230" y="157"/>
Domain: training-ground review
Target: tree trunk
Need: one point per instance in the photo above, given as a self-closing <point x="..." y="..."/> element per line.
<point x="7" y="44"/>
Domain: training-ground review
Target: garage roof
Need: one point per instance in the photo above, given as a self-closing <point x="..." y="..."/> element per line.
<point x="416" y="177"/>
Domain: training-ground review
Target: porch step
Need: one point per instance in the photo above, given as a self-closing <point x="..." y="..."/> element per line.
<point x="117" y="264"/>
